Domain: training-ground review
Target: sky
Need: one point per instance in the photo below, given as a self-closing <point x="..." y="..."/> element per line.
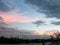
<point x="32" y="15"/>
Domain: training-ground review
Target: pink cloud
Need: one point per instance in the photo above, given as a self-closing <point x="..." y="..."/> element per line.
<point x="53" y="32"/>
<point x="11" y="17"/>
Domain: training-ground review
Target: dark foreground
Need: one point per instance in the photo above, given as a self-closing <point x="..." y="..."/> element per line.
<point x="17" y="41"/>
<point x="22" y="44"/>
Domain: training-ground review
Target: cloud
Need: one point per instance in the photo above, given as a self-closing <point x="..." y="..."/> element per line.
<point x="9" y="32"/>
<point x="50" y="8"/>
<point x="14" y="16"/>
<point x="38" y="33"/>
<point x="6" y="5"/>
<point x="10" y="13"/>
<point x="52" y="32"/>
<point x="56" y="23"/>
<point x="1" y="19"/>
<point x="2" y="23"/>
<point x="38" y="23"/>
<point x="12" y="32"/>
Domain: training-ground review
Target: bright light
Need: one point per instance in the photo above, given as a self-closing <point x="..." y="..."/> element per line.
<point x="38" y="33"/>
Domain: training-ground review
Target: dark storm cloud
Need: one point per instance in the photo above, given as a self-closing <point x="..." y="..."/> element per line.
<point x="5" y="5"/>
<point x="1" y="19"/>
<point x="38" y="23"/>
<point x="2" y="23"/>
<point x="56" y="23"/>
<point x="50" y="7"/>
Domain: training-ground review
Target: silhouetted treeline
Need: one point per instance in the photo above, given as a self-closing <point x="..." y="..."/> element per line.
<point x="15" y="40"/>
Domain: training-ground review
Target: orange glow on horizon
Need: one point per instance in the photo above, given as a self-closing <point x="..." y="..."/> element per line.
<point x="53" y="32"/>
<point x="38" y="33"/>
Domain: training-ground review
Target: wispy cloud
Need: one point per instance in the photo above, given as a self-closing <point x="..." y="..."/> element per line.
<point x="6" y="5"/>
<point x="10" y="13"/>
<point x="13" y="16"/>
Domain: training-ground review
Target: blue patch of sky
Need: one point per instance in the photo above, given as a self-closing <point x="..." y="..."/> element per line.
<point x="25" y="8"/>
<point x="21" y="6"/>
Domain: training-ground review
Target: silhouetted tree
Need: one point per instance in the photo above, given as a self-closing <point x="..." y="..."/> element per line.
<point x="55" y="38"/>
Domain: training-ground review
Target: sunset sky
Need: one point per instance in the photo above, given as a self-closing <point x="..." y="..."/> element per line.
<point x="31" y="15"/>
